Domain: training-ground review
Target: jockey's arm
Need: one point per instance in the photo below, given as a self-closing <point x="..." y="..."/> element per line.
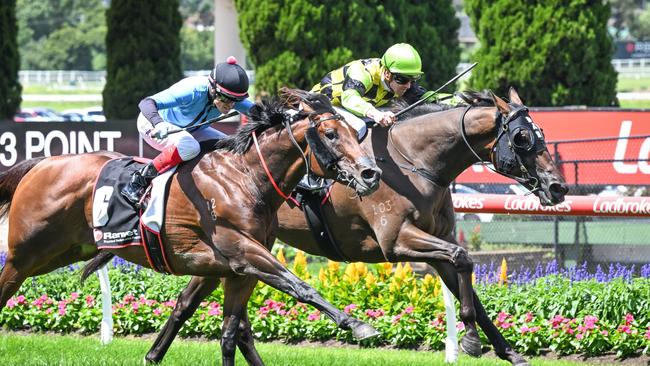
<point x="356" y="84"/>
<point x="181" y="93"/>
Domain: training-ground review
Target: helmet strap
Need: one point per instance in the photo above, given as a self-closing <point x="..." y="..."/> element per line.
<point x="385" y="82"/>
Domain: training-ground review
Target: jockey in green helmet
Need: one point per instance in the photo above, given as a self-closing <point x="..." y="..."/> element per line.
<point x="361" y="86"/>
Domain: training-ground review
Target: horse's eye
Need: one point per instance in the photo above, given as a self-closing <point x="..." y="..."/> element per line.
<point x="331" y="134"/>
<point x="522" y="139"/>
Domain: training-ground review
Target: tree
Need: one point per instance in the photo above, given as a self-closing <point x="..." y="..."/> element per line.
<point x="196" y="49"/>
<point x="555" y="52"/>
<point x="296" y="42"/>
<point x="142" y="53"/>
<point x="641" y="27"/>
<point x="10" y="88"/>
<point x="63" y="35"/>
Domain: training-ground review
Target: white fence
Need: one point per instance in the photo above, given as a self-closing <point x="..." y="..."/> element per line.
<point x="632" y="67"/>
<point x="76" y="78"/>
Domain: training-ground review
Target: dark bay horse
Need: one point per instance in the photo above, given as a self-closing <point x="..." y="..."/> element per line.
<point x="49" y="208"/>
<point x="411" y="216"/>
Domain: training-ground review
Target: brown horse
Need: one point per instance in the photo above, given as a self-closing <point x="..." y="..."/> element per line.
<point x="411" y="216"/>
<point x="50" y="210"/>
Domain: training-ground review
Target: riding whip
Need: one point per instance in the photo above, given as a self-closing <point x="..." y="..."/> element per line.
<point x="436" y="91"/>
<point x="210" y="121"/>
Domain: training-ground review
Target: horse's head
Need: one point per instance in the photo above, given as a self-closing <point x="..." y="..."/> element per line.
<point x="520" y="151"/>
<point x="333" y="150"/>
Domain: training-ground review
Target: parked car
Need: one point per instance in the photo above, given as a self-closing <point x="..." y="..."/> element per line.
<point x="469" y="216"/>
<point x="37" y="114"/>
<point x="96" y="113"/>
<point x="76" y="115"/>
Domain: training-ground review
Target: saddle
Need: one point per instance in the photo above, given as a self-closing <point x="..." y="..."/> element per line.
<point x="311" y="194"/>
<point x="117" y="224"/>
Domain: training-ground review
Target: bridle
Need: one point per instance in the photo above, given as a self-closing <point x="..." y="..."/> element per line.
<point x="324" y="156"/>
<point x="518" y="116"/>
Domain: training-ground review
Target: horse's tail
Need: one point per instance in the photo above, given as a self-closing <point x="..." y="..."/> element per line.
<point x="9" y="181"/>
<point x="96" y="263"/>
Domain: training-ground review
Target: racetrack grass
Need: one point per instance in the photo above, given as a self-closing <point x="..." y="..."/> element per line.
<point x="53" y="349"/>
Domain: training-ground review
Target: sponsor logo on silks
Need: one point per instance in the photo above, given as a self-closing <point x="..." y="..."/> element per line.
<point x="98" y="234"/>
<point x="120" y="234"/>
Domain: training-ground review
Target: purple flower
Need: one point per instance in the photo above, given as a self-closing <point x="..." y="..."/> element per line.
<point x="314" y="316"/>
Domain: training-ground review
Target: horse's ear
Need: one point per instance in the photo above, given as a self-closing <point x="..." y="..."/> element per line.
<point x="501" y="104"/>
<point x="306" y="107"/>
<point x="514" y="96"/>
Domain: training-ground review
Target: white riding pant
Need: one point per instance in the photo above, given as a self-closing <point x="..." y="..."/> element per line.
<point x="187" y="143"/>
<point x="355" y="122"/>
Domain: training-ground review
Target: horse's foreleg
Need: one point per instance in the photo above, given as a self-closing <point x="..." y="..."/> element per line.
<point x="187" y="303"/>
<point x="260" y="262"/>
<point x="246" y="342"/>
<point x="236" y="292"/>
<point x="501" y="347"/>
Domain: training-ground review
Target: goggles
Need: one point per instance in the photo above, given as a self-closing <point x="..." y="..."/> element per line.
<point x="405" y="79"/>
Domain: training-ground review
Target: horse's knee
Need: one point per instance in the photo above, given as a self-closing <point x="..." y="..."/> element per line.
<point x="228" y="346"/>
<point x="239" y="266"/>
<point x="467" y="313"/>
<point x="461" y="260"/>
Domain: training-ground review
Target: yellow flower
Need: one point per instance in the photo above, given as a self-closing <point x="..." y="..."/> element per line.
<point x="322" y="276"/>
<point x="503" y="278"/>
<point x="428" y="280"/>
<point x="385" y="269"/>
<point x="300" y="265"/>
<point x="361" y="269"/>
<point x="281" y="257"/>
<point x="408" y="270"/>
<point x="473" y="278"/>
<point x="399" y="272"/>
<point x="371" y="280"/>
<point x="333" y="267"/>
<point x="351" y="275"/>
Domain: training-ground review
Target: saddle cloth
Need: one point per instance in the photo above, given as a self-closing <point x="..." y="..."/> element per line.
<point x="117" y="224"/>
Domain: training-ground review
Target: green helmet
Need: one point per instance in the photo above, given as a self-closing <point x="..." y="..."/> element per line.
<point x="402" y="58"/>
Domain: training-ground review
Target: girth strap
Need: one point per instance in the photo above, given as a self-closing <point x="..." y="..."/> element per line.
<point x="311" y="206"/>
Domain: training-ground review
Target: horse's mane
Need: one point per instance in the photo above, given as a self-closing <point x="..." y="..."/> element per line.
<point x="271" y="112"/>
<point x="469" y="97"/>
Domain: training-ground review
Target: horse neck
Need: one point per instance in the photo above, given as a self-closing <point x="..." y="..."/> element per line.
<point x="434" y="140"/>
<point x="284" y="161"/>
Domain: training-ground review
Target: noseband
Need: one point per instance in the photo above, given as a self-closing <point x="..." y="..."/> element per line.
<point x="506" y="153"/>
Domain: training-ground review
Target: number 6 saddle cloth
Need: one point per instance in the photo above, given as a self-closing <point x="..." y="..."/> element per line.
<point x="118" y="224"/>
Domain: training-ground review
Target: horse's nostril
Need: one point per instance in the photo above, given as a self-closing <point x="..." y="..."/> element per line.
<point x="558" y="188"/>
<point x="370" y="175"/>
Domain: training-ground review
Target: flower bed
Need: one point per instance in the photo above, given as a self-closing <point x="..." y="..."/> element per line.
<point x="566" y="311"/>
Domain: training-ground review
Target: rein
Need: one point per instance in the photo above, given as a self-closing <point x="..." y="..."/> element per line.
<point x="424" y="173"/>
<point x="313" y="124"/>
<point x="268" y="173"/>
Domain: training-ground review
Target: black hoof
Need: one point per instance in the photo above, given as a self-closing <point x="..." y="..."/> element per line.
<point x="471" y="346"/>
<point x="364" y="331"/>
<point x="519" y="361"/>
<point x="149" y="361"/>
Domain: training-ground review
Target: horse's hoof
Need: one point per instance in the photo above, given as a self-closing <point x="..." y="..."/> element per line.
<point x="147" y="361"/>
<point x="364" y="331"/>
<point x="519" y="361"/>
<point x="471" y="346"/>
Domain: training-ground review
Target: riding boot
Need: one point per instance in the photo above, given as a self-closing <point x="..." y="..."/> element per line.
<point x="140" y="180"/>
